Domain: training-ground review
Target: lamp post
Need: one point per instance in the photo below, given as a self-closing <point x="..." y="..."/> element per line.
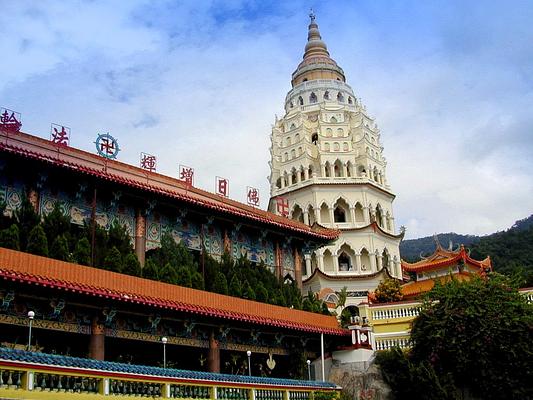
<point x="249" y="354"/>
<point x="309" y="369"/>
<point x="31" y="316"/>
<point x="164" y="340"/>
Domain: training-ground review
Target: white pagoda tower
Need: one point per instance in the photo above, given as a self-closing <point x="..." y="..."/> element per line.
<point x="327" y="162"/>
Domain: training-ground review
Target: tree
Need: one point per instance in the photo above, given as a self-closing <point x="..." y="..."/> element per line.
<point x="132" y="266"/>
<point x="113" y="260"/>
<point x="235" y="286"/>
<point x="197" y="281"/>
<point x="82" y="252"/>
<point x="388" y="290"/>
<point x="59" y="249"/>
<point x="150" y="270"/>
<point x="55" y="224"/>
<point x="9" y="238"/>
<point x="26" y="219"/>
<point x="37" y="242"/>
<point x="248" y="293"/>
<point x="220" y="285"/>
<point x="261" y="293"/>
<point x="118" y="237"/>
<point x="478" y="333"/>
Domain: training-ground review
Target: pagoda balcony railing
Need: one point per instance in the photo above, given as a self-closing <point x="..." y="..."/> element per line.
<point x="390" y="311"/>
<point x="29" y="375"/>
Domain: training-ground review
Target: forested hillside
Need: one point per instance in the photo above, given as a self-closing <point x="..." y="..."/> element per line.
<point x="511" y="250"/>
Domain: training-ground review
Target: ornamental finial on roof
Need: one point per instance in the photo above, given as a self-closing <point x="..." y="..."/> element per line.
<point x="312" y="15"/>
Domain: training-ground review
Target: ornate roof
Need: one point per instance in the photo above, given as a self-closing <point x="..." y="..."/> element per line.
<point x="41" y="271"/>
<point x="442" y="258"/>
<point x="91" y="164"/>
<point x="354" y="277"/>
<point x="415" y="288"/>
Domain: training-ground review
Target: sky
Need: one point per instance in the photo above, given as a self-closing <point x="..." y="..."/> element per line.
<point x="199" y="83"/>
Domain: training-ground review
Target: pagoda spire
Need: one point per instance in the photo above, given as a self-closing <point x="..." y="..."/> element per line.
<point x="315" y="45"/>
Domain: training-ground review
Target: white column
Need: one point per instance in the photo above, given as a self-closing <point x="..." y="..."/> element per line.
<point x="344" y="170"/>
<point x="306" y="173"/>
<point x="282" y="181"/>
<point x="383" y="222"/>
<point x="323" y="170"/>
<point x="332" y="170"/>
<point x="372" y="262"/>
<point x="357" y="262"/>
<point x="308" y="266"/>
<point x="366" y="214"/>
<point x="398" y="269"/>
<point x="316" y="211"/>
<point x="298" y="176"/>
<point x="320" y="261"/>
<point x="380" y="261"/>
<point x="290" y="180"/>
<point x="322" y="356"/>
<point x="331" y="215"/>
<point x="335" y="263"/>
<point x="306" y="217"/>
<point x="352" y="215"/>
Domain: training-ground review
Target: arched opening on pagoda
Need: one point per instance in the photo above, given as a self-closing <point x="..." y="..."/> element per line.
<point x="365" y="260"/>
<point x="341" y="211"/>
<point x="346" y="258"/>
<point x="300" y="101"/>
<point x="328" y="169"/>
<point x="361" y="170"/>
<point x="385" y="259"/>
<point x="359" y="214"/>
<point x="349" y="167"/>
<point x="338" y="168"/>
<point x="340" y="97"/>
<point x="328" y="261"/>
<point x="379" y="216"/>
<point x="311" y="213"/>
<point x="324" y="214"/>
<point x="314" y="138"/>
<point x="313" y="98"/>
<point x="297" y="213"/>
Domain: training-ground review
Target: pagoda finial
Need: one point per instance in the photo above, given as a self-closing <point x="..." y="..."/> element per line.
<point x="312" y="15"/>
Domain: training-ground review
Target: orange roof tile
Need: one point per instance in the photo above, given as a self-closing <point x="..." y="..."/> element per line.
<point x="418" y="287"/>
<point x="443" y="258"/>
<point x="31" y="269"/>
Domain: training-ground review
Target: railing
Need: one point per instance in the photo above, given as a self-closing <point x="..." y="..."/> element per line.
<point x="385" y="344"/>
<point x="27" y="375"/>
<point x="408" y="311"/>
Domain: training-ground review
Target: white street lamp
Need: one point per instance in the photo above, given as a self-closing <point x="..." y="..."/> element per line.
<point x="309" y="369"/>
<point x="164" y="340"/>
<point x="31" y="316"/>
<point x="249" y="354"/>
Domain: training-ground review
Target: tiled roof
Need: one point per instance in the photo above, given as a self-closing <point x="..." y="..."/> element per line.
<point x="443" y="258"/>
<point x="84" y="162"/>
<point x="42" y="271"/>
<point x="89" y="366"/>
<point x="347" y="277"/>
<point x="418" y="287"/>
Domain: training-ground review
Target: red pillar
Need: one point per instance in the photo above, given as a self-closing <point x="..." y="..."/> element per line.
<point x="213" y="358"/>
<point x="97" y="342"/>
<point x="140" y="237"/>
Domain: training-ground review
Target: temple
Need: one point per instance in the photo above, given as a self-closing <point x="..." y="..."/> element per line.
<point x="442" y="265"/>
<point x="328" y="169"/>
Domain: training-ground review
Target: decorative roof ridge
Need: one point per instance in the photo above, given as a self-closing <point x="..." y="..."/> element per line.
<point x="376" y="228"/>
<point x="38" y="270"/>
<point x="162" y="184"/>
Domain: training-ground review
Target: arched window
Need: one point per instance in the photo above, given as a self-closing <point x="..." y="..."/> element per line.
<point x="345" y="263"/>
<point x="333" y="120"/>
<point x="339" y="215"/>
<point x="278" y="183"/>
<point x="340" y="97"/>
<point x="300" y="101"/>
<point x="326" y="95"/>
<point x="297" y="214"/>
<point x="291" y="105"/>
<point x="313" y="98"/>
<point x="314" y="138"/>
<point x="294" y="177"/>
<point x="326" y="147"/>
<point x="293" y="154"/>
<point x="292" y="127"/>
<point x="379" y="216"/>
<point x="350" y="100"/>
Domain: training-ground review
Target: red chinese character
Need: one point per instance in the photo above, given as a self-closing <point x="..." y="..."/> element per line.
<point x="8" y="122"/>
<point x="60" y="137"/>
<point x="253" y="196"/>
<point x="187" y="174"/>
<point x="282" y="205"/>
<point x="148" y="162"/>
<point x="222" y="186"/>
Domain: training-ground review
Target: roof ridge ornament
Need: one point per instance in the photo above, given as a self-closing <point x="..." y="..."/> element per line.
<point x="312" y="15"/>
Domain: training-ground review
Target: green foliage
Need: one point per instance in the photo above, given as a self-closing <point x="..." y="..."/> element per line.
<point x="342" y="296"/>
<point x="261" y="294"/>
<point x="248" y="292"/>
<point x="37" y="242"/>
<point x="313" y="304"/>
<point x="131" y="265"/>
<point x="411" y="380"/>
<point x="220" y="284"/>
<point x="388" y="290"/>
<point x="59" y="249"/>
<point x="56" y="224"/>
<point x="322" y="395"/>
<point x="470" y="337"/>
<point x="26" y="219"/>
<point x="82" y="252"/>
<point x="118" y="237"/>
<point x="113" y="260"/>
<point x="235" y="286"/>
<point x="150" y="270"/>
<point x="197" y="281"/>
<point x="10" y="238"/>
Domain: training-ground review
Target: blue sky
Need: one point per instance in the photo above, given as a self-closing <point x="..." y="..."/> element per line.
<point x="199" y="83"/>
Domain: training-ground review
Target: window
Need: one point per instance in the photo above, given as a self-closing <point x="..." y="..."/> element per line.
<point x="314" y="138"/>
<point x="313" y="98"/>
<point x="300" y="101"/>
<point x="339" y="215"/>
<point x="345" y="263"/>
<point x="326" y="95"/>
<point x="340" y="97"/>
<point x="350" y="100"/>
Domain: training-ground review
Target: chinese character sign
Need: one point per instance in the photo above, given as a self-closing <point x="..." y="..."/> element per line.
<point x="107" y="146"/>
<point x="252" y="196"/>
<point x="9" y="120"/>
<point x="60" y="135"/>
<point x="148" y="162"/>
<point x="222" y="186"/>
<point x="282" y="206"/>
<point x="187" y="174"/>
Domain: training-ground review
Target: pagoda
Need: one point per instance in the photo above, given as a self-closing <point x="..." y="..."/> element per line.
<point x="328" y="169"/>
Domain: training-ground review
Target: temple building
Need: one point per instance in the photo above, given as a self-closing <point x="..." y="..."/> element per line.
<point x="442" y="265"/>
<point x="328" y="169"/>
